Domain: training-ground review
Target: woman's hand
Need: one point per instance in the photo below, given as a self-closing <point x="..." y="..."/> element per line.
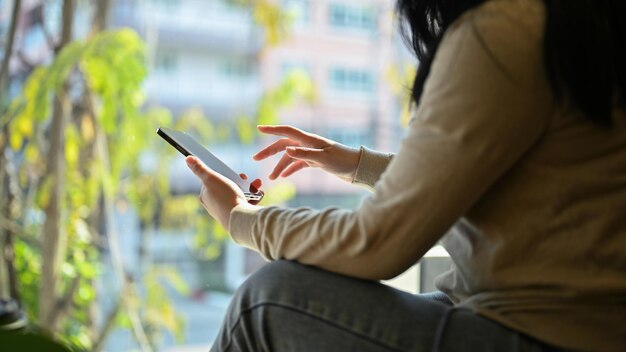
<point x="304" y="150"/>
<point x="219" y="195"/>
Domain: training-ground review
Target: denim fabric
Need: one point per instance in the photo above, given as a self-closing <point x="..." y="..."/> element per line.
<point x="286" y="306"/>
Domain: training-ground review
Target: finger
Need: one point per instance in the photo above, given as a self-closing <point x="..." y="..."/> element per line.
<point x="200" y="195"/>
<point x="256" y="185"/>
<point x="288" y="131"/>
<point x="274" y="148"/>
<point x="303" y="153"/>
<point x="283" y="163"/>
<point x="293" y="168"/>
<point x="257" y="201"/>
<point x="199" y="169"/>
<point x="243" y="176"/>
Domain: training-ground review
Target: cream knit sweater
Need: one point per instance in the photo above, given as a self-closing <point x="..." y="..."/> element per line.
<point x="528" y="197"/>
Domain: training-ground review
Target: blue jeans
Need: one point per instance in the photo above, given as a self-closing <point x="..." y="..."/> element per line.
<point x="287" y="306"/>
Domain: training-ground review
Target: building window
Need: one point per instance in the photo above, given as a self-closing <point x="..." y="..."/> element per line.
<point x="166" y="62"/>
<point x="236" y="68"/>
<point x="350" y="137"/>
<point x="352" y="17"/>
<point x="299" y="10"/>
<point x="168" y="5"/>
<point x="351" y="80"/>
<point x="289" y="67"/>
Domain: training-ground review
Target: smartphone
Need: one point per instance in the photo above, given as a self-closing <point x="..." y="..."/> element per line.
<point x="185" y="144"/>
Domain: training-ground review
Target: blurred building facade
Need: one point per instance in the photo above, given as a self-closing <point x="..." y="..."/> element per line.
<point x="347" y="48"/>
<point x="202" y="53"/>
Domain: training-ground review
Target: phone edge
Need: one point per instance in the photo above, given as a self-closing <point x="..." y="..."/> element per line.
<point x="172" y="142"/>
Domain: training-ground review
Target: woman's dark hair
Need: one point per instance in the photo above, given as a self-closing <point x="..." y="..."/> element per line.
<point x="584" y="47"/>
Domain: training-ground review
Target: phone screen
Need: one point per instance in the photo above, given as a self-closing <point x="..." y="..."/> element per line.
<point x="187" y="145"/>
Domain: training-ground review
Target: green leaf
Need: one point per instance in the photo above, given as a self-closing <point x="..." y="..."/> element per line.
<point x="68" y="269"/>
<point x="245" y="130"/>
<point x="295" y="85"/>
<point x="108" y="113"/>
<point x="279" y="193"/>
<point x="72" y="148"/>
<point x="175" y="279"/>
<point x="16" y="140"/>
<point x="219" y="232"/>
<point x="24" y="126"/>
<point x="271" y="17"/>
<point x="212" y="251"/>
<point x="87" y="270"/>
<point x="86" y="293"/>
<point x="37" y="91"/>
<point x="43" y="193"/>
<point x="31" y="153"/>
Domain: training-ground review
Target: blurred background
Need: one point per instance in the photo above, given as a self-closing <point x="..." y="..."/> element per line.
<point x="104" y="242"/>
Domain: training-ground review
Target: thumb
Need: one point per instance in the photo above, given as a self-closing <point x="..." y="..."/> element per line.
<point x="197" y="167"/>
<point x="304" y="153"/>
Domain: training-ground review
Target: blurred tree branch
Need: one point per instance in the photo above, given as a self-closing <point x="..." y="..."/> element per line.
<point x="100" y="17"/>
<point x="54" y="235"/>
<point x="8" y="52"/>
<point x="269" y="15"/>
<point x="109" y="321"/>
<point x="46" y="33"/>
<point x="24" y="60"/>
<point x="7" y="195"/>
<point x="63" y="304"/>
<point x="100" y="150"/>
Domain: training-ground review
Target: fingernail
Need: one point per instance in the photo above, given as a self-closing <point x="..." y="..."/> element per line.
<point x="291" y="149"/>
<point x="191" y="160"/>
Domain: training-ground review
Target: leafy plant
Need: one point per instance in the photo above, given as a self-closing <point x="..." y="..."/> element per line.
<point x="90" y="96"/>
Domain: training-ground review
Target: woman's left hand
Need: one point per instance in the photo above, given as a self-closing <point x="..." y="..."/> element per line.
<point x="218" y="195"/>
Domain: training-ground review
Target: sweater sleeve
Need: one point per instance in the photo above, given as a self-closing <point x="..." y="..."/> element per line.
<point x="485" y="104"/>
<point x="371" y="166"/>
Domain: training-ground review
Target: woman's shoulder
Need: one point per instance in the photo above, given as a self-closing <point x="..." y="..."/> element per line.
<point x="527" y="16"/>
<point x="508" y="32"/>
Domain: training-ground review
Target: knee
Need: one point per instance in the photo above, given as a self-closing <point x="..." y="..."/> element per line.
<point x="270" y="283"/>
<point x="277" y="273"/>
<point x="251" y="308"/>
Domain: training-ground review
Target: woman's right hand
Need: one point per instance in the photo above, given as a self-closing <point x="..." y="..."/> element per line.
<point x="303" y="149"/>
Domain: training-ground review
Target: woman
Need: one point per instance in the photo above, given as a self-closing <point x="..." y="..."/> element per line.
<point x="515" y="160"/>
